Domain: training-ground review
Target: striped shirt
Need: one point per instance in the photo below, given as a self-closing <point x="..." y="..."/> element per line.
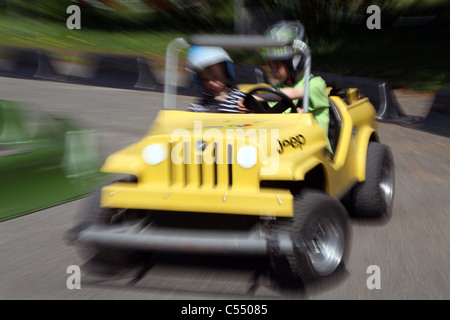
<point x="210" y="104"/>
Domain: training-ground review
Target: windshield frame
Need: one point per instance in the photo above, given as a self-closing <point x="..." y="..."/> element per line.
<point x="227" y="41"/>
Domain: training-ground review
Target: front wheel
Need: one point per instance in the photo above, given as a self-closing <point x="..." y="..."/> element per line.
<point x="320" y="235"/>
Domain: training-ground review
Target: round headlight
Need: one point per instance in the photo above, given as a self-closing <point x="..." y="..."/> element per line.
<point x="246" y="157"/>
<point x="154" y="154"/>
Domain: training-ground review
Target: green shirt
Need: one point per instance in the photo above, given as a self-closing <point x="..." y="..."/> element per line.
<point x="318" y="101"/>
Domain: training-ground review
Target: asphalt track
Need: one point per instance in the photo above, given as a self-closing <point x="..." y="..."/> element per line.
<point x="411" y="249"/>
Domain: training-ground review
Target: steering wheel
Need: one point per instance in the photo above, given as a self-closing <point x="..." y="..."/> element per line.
<point x="268" y="94"/>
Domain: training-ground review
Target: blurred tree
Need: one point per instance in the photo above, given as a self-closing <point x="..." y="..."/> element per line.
<point x="219" y="15"/>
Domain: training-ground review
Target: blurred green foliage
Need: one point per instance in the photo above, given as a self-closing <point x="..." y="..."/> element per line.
<point x="319" y="16"/>
<point x="207" y="17"/>
<point x="414" y="56"/>
<point x="218" y="15"/>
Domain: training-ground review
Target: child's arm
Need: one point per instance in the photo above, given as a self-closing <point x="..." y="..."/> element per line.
<point x="293" y="93"/>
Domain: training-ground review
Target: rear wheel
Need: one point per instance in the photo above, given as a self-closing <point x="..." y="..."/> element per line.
<point x="374" y="197"/>
<point x="319" y="232"/>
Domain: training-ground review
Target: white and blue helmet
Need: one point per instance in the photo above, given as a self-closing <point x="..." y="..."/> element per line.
<point x="199" y="58"/>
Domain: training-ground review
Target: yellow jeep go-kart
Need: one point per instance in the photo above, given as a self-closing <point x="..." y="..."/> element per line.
<point x="261" y="183"/>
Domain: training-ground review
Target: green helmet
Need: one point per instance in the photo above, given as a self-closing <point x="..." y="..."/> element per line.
<point x="287" y="31"/>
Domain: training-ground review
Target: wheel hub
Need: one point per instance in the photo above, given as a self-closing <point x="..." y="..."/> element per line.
<point x="387" y="181"/>
<point x="325" y="247"/>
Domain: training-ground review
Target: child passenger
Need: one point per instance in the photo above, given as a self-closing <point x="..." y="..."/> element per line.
<point x="214" y="75"/>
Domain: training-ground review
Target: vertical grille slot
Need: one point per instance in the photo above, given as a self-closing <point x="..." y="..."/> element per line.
<point x="186" y="162"/>
<point x="211" y="170"/>
<point x="230" y="164"/>
<point x="215" y="163"/>
<point x="171" y="168"/>
<point x="200" y="169"/>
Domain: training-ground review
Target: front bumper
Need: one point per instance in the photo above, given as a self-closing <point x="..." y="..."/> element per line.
<point x="251" y="242"/>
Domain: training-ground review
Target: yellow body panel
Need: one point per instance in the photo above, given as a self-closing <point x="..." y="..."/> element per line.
<point x="269" y="202"/>
<point x="349" y="162"/>
<point x="200" y="172"/>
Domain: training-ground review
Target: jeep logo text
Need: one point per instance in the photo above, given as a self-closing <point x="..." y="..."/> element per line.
<point x="295" y="142"/>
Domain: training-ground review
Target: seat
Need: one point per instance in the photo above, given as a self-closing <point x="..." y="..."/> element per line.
<point x="335" y="126"/>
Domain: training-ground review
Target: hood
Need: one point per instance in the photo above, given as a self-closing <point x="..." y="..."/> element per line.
<point x="169" y="121"/>
<point x="278" y="143"/>
<point x="290" y="137"/>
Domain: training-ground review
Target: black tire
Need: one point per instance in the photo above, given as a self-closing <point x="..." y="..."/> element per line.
<point x="374" y="197"/>
<point x="93" y="214"/>
<point x="319" y="231"/>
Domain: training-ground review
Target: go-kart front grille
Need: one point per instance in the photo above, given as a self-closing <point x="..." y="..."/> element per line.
<point x="201" y="165"/>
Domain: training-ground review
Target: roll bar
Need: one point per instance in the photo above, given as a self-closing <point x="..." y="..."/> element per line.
<point x="226" y="41"/>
